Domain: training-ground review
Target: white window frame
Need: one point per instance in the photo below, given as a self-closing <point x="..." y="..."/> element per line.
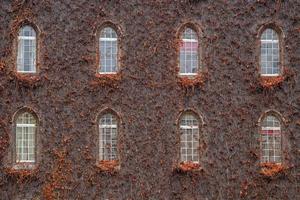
<point x="109" y="39"/>
<point x="108" y="126"/>
<point x="190" y="40"/>
<point x="270" y="75"/>
<point x="27" y="38"/>
<point x="107" y="72"/>
<point x="28" y="72"/>
<point x="268" y="128"/>
<point x="188" y="74"/>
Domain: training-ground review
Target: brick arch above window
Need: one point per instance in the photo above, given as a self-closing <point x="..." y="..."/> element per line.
<point x="195" y="112"/>
<point x="272" y="112"/>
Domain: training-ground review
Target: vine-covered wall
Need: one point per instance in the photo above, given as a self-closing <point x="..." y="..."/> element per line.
<point x="148" y="96"/>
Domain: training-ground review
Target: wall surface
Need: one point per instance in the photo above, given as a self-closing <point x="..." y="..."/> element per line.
<point x="67" y="97"/>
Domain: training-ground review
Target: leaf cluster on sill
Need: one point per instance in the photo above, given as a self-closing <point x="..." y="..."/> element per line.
<point x="272" y="169"/>
<point x="106" y="80"/>
<point x="188" y="167"/>
<point x="108" y="165"/>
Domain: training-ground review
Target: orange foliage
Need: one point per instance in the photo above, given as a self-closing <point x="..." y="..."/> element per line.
<point x="188" y="166"/>
<point x="271" y="169"/>
<point x="244" y="189"/>
<point x="2" y="65"/>
<point x="108" y="165"/>
<point x="106" y="79"/>
<point x="273" y="81"/>
<point x="19" y="19"/>
<point x="21" y="174"/>
<point x="269" y="82"/>
<point x="187" y="81"/>
<point x="48" y="192"/>
<point x="26" y="79"/>
<point x="59" y="176"/>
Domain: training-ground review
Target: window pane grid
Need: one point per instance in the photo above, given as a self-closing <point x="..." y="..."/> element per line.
<point x="25" y="138"/>
<point x="108" y="51"/>
<point x="108" y="137"/>
<point x="189" y="52"/>
<point x="189" y="139"/>
<point x="26" y="60"/>
<point x="269" y="58"/>
<point x="271" y="140"/>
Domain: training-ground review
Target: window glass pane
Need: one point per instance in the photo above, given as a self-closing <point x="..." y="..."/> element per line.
<point x="271" y="139"/>
<point x="25" y="138"/>
<point x="108" y="137"/>
<point x="108" y="50"/>
<point x="26" y="60"/>
<point x="189" y="52"/>
<point x="189" y="138"/>
<point x="269" y="59"/>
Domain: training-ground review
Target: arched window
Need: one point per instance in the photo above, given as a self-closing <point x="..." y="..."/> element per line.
<point x="26" y="61"/>
<point x="108" y="130"/>
<point x="269" y="53"/>
<point x="189" y="52"/>
<point x="108" y="43"/>
<point x="271" y="140"/>
<point x="26" y="125"/>
<point x="189" y="138"/>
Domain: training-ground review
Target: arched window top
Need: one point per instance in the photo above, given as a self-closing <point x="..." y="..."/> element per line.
<point x="26" y="118"/>
<point x="189" y="52"/>
<point x="271" y="121"/>
<point x="26" y="125"/>
<point x="108" y="119"/>
<point x="269" y="34"/>
<point x="27" y="31"/>
<point x="108" y="137"/>
<point x="108" y="33"/>
<point x="270" y="53"/>
<point x="271" y="143"/>
<point x="189" y="119"/>
<point x="189" y="138"/>
<point x="108" y="51"/>
<point x="26" y="60"/>
<point x="189" y="33"/>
